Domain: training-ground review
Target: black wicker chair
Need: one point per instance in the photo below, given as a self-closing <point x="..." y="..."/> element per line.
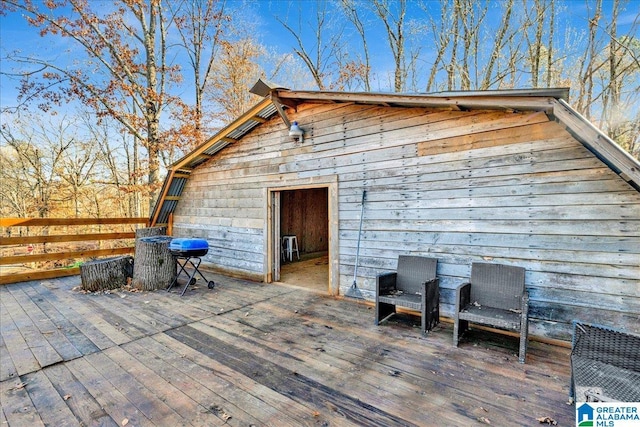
<point x="605" y="364"/>
<point x="414" y="286"/>
<point x="496" y="297"/>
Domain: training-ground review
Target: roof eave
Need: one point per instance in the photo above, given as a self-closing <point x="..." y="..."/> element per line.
<point x="607" y="150"/>
<point x="522" y="100"/>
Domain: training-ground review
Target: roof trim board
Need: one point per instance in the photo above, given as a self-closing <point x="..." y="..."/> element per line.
<point x="598" y="143"/>
<point x="510" y="100"/>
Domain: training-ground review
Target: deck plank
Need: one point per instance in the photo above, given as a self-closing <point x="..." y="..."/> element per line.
<point x="261" y="355"/>
<point x="96" y="326"/>
<point x="133" y="323"/>
<point x="263" y="403"/>
<point x="112" y="400"/>
<point x="62" y="323"/>
<point x="142" y="398"/>
<point x="22" y="359"/>
<point x="185" y="407"/>
<point x="48" y="403"/>
<point x="404" y="353"/>
<point x="36" y="342"/>
<point x="302" y="389"/>
<point x="81" y="403"/>
<point x="337" y="361"/>
<point x="17" y="406"/>
<point x="397" y="399"/>
<point x="50" y="330"/>
<point x="167" y="363"/>
<point x="7" y="369"/>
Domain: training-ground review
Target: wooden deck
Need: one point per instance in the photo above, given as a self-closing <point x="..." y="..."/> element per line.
<point x="252" y="354"/>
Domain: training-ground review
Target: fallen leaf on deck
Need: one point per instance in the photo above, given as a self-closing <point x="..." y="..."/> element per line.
<point x="547" y="420"/>
<point x="217" y="410"/>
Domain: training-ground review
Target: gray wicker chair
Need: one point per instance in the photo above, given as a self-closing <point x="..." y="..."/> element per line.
<point x="496" y="297"/>
<point x="605" y="364"/>
<point x="414" y="286"/>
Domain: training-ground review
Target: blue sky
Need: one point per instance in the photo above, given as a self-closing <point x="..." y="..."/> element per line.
<point x="16" y="35"/>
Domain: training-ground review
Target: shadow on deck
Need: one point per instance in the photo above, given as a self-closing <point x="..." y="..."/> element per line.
<point x="247" y="354"/>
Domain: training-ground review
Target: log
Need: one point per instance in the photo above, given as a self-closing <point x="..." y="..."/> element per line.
<point x="109" y="273"/>
<point x="155" y="267"/>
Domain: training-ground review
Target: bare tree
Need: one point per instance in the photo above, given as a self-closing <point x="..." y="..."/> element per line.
<point x="320" y="57"/>
<point x="125" y="60"/>
<point x="235" y="70"/>
<point x="588" y="65"/>
<point x="550" y="51"/>
<point x="394" y="25"/>
<point x="350" y="9"/>
<point x="498" y="46"/>
<point x="441" y="38"/>
<point x="38" y="150"/>
<point x="201" y="25"/>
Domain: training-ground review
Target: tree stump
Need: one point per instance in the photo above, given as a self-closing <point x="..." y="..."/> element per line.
<point x="151" y="231"/>
<point x="102" y="274"/>
<point x="155" y="267"/>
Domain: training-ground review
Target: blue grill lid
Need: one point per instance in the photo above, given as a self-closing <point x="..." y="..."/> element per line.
<point x="185" y="245"/>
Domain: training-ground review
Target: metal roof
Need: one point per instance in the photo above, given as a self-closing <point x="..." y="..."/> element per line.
<point x="179" y="172"/>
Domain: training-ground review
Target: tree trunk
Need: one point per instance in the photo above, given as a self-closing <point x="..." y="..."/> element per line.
<point x="110" y="273"/>
<point x="155" y="267"/>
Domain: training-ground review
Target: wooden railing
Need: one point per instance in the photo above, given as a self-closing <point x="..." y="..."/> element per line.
<point x="119" y="242"/>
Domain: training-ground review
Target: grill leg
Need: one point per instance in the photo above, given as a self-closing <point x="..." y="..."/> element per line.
<point x="175" y="280"/>
<point x="192" y="276"/>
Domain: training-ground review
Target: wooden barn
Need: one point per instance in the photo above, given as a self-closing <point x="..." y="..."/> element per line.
<point x="515" y="177"/>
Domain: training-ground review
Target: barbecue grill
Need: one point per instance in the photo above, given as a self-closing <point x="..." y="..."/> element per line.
<point x="189" y="251"/>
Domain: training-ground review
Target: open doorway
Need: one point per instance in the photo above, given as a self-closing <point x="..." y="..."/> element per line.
<point x="303" y="213"/>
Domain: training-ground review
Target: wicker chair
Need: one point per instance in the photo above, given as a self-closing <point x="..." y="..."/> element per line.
<point x="413" y="286"/>
<point x="605" y="364"/>
<point x="496" y="297"/>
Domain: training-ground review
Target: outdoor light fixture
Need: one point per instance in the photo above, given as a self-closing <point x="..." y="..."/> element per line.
<point x="296" y="133"/>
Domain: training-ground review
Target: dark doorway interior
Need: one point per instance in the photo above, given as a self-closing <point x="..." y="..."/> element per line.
<point x="305" y="214"/>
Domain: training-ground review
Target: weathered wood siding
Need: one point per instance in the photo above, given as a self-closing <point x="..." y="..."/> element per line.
<point x="469" y="186"/>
